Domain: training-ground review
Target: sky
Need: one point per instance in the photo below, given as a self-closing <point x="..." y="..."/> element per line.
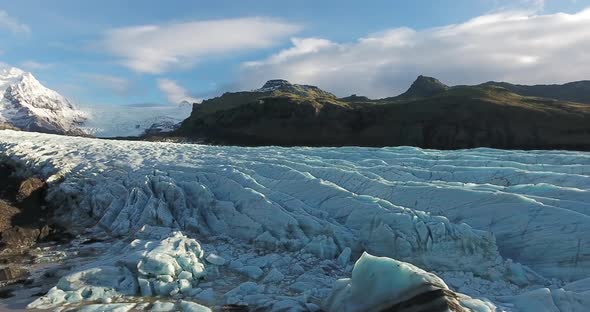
<point x="151" y="52"/>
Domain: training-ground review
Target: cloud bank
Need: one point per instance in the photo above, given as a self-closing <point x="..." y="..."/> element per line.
<point x="160" y="48"/>
<point x="175" y="93"/>
<point x="515" y="46"/>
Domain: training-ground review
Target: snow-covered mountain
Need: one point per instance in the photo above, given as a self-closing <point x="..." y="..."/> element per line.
<point x="279" y="229"/>
<point x="27" y="105"/>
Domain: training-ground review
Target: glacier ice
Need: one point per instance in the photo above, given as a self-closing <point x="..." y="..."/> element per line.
<point x="144" y="267"/>
<point x="215" y="259"/>
<point x="188" y="306"/>
<point x="128" y="120"/>
<point x="545" y="299"/>
<point x="111" y="307"/>
<point x="291" y="220"/>
<point x="379" y="284"/>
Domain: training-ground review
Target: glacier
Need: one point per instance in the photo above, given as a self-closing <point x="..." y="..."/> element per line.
<point x="276" y="228"/>
<point x="122" y="121"/>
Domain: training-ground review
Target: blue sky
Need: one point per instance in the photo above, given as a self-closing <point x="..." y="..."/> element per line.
<point x="134" y="52"/>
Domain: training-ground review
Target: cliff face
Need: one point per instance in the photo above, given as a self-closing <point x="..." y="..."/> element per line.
<point x="429" y="115"/>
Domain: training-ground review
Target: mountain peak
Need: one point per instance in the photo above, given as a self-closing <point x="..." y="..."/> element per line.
<point x="276" y="84"/>
<point x="9" y="75"/>
<point x="425" y="86"/>
<point x="185" y="103"/>
<point x="28" y="105"/>
<point x="286" y="86"/>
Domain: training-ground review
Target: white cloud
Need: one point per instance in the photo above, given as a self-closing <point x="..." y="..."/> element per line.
<point x="11" y="24"/>
<point x="119" y="85"/>
<point x="175" y="93"/>
<point x="512" y="46"/>
<point x="160" y="48"/>
<point x="34" y="65"/>
<point x="535" y="5"/>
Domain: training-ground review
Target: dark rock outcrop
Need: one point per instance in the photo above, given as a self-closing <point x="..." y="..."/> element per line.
<point x="437" y="300"/>
<point x="24" y="218"/>
<point x="424" y="87"/>
<point x="24" y="223"/>
<point x="11" y="273"/>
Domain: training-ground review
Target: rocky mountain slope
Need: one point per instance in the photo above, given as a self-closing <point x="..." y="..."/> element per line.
<point x="26" y="104"/>
<point x="430" y="115"/>
<point x="424" y="86"/>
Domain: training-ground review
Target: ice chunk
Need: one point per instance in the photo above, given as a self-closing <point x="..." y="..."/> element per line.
<point x="380" y="283"/>
<point x="545" y="299"/>
<point x="236" y="264"/>
<point x="273" y="276"/>
<point x="297" y="269"/>
<point x="206" y="296"/>
<point x="264" y="261"/>
<point x="165" y="278"/>
<point x="215" y="259"/>
<point x="582" y="285"/>
<point x="159" y="265"/>
<point x="288" y="305"/>
<point x="112" y="278"/>
<point x="185" y="275"/>
<point x="251" y="271"/>
<point x="344" y="257"/>
<point x="99" y="283"/>
<point x="164" y="288"/>
<point x="172" y="256"/>
<point x="145" y="287"/>
<point x="160" y="306"/>
<point x="323" y="247"/>
<point x="300" y="286"/>
<point x="246" y="288"/>
<point x="188" y="306"/>
<point x="111" y="307"/>
<point x="184" y="286"/>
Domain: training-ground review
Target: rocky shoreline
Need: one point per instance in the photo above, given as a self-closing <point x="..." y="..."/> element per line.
<point x="26" y="229"/>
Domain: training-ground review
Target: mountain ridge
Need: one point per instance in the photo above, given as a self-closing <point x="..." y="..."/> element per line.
<point x="575" y="91"/>
<point x="429" y="115"/>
